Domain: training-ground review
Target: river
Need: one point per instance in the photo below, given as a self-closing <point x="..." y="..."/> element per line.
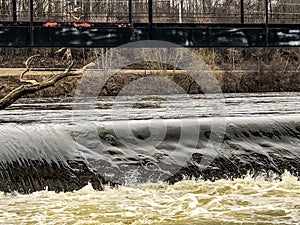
<point x="258" y="133"/>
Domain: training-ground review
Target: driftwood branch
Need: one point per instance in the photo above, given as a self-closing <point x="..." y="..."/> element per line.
<point x="28" y="63"/>
<point x="35" y="86"/>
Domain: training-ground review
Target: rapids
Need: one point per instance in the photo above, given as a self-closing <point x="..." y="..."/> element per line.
<point x="240" y="201"/>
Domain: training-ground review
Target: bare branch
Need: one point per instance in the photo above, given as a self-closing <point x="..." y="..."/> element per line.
<point x="67" y="56"/>
<point x="32" y="88"/>
<point x="35" y="86"/>
<point x="29" y="64"/>
<point x="60" y="50"/>
<point x="83" y="69"/>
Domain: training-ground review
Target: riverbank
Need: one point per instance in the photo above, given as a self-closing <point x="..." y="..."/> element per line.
<point x="231" y="81"/>
<point x="238" y="70"/>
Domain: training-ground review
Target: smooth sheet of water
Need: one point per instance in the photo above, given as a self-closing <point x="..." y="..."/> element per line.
<point x="57" y="111"/>
<point x="241" y="201"/>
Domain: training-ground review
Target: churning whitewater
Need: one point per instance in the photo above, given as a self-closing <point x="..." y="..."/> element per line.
<point x="241" y="201"/>
<point x="174" y="176"/>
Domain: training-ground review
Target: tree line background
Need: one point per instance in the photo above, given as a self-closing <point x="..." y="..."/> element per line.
<point x="191" y="11"/>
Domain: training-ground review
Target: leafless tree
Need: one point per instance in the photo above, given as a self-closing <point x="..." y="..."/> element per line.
<point x="32" y="86"/>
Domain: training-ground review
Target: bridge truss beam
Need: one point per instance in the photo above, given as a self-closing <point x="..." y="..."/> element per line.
<point x="33" y="34"/>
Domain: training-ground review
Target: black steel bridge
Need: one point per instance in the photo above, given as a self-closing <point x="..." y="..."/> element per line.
<point x="189" y="23"/>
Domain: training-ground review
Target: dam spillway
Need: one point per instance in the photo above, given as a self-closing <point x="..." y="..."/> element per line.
<point x="45" y="149"/>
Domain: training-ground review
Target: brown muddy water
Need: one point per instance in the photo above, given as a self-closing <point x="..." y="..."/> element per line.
<point x="250" y="199"/>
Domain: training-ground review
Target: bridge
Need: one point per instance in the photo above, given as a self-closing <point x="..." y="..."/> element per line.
<point x="189" y="23"/>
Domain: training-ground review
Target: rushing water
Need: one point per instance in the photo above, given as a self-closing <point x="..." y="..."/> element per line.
<point x="242" y="201"/>
<point x="248" y="200"/>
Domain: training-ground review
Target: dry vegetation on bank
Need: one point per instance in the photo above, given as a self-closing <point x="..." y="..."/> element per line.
<point x="238" y="70"/>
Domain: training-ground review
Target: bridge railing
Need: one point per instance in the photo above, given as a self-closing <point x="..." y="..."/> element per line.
<point x="164" y="11"/>
<point x="6" y="10"/>
<point x="287" y="11"/>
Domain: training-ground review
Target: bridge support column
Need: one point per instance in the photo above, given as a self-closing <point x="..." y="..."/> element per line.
<point x="242" y="11"/>
<point x="31" y="28"/>
<point x="130" y="11"/>
<point x="267" y="22"/>
<point x="31" y="10"/>
<point x="14" y="10"/>
<point x="266" y="11"/>
<point x="150" y="18"/>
